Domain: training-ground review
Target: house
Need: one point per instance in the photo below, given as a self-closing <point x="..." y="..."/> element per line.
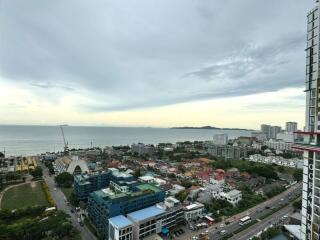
<point x="233" y="196"/>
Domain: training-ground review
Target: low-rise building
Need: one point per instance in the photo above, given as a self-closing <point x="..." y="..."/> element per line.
<point x="279" y="145"/>
<point x="233" y="196"/>
<point x="194" y="211"/>
<point x="146" y="221"/>
<point x="120" y="228"/>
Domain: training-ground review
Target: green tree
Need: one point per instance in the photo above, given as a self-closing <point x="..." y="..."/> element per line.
<point x="37" y="172"/>
<point x="64" y="179"/>
<point x="181" y="196"/>
<point x="297" y="204"/>
<point x="137" y="173"/>
<point x="298" y="175"/>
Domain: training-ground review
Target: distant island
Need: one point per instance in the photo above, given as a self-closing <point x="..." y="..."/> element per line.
<point x="212" y="128"/>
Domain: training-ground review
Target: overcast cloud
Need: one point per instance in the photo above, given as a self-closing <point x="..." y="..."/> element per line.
<point x="144" y="53"/>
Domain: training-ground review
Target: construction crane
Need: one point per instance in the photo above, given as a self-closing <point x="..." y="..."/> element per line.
<point x="64" y="139"/>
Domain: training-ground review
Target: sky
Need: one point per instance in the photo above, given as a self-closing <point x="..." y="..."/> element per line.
<point x="153" y="63"/>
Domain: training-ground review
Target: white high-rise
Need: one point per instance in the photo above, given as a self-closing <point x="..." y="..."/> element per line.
<point x="309" y="141"/>
<point x="291" y="127"/>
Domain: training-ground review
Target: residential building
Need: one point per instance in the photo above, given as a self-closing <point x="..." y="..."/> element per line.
<point x="227" y="151"/>
<point x="259" y="135"/>
<point x="220" y="139"/>
<point x="270" y="131"/>
<point x="142" y="149"/>
<point x="86" y="183"/>
<point x="278" y="145"/>
<point x="107" y="203"/>
<point x="176" y="188"/>
<point x="120" y="228"/>
<point x="194" y="211"/>
<point x="286" y="137"/>
<point x="309" y="140"/>
<point x="291" y="127"/>
<point x="274" y="130"/>
<point x="265" y="128"/>
<point x="233" y="196"/>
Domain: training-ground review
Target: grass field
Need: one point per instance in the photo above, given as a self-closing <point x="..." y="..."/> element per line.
<point x="23" y="196"/>
<point x="67" y="191"/>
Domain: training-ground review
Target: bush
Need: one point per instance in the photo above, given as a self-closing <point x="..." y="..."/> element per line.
<point x="46" y="191"/>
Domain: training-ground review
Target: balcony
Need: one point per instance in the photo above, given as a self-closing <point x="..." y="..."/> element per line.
<point x="307" y="141"/>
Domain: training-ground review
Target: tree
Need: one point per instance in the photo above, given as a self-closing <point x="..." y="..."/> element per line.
<point x="137" y="173"/>
<point x="297" y="204"/>
<point x="64" y="179"/>
<point x="37" y="172"/>
<point x="298" y="175"/>
<point x="1" y="155"/>
<point x="181" y="196"/>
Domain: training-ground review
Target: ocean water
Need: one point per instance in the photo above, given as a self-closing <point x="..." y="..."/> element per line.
<point x="29" y="140"/>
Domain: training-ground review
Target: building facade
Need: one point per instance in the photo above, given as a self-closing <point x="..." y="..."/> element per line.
<point x="107" y="203"/>
<point x="227" y="151"/>
<point x="220" y="139"/>
<point x="291" y="127"/>
<point x="309" y="141"/>
<point x="84" y="184"/>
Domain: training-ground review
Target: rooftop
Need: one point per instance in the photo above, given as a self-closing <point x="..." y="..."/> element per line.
<point x="120" y="221"/>
<point x="146" y="186"/>
<point x="145" y="213"/>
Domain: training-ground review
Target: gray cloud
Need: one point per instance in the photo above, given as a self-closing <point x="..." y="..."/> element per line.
<point x="133" y="54"/>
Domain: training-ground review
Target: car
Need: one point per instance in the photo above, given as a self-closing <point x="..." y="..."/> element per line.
<point x="55" y="189"/>
<point x="207" y="231"/>
<point x="282" y="199"/>
<point x="223" y="232"/>
<point x="72" y="211"/>
<point x="81" y="224"/>
<point x="221" y="225"/>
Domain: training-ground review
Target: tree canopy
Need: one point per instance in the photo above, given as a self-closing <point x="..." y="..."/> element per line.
<point x="64" y="179"/>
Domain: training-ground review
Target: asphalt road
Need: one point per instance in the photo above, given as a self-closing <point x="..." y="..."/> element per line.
<point x="61" y="203"/>
<point x="255" y="213"/>
<point x="263" y="224"/>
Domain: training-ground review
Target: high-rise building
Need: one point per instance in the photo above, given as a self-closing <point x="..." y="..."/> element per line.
<point x="291" y="127"/>
<point x="309" y="140"/>
<point x="265" y="128"/>
<point x="274" y="130"/>
<point x="220" y="139"/>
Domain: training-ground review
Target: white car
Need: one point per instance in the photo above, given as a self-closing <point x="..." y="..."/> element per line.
<point x="221" y="225"/>
<point x="223" y="232"/>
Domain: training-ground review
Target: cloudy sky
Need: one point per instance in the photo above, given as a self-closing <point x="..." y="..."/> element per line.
<point x="226" y="63"/>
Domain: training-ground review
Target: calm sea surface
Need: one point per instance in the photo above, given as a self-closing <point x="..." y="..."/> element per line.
<point x="28" y="140"/>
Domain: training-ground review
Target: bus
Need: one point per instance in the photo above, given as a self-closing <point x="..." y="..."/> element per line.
<point x="244" y="220"/>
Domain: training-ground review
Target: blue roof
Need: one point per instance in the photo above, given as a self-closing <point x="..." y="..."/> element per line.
<point x="120" y="221"/>
<point x="145" y="213"/>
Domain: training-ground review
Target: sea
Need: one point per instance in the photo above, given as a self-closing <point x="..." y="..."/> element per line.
<point x="18" y="140"/>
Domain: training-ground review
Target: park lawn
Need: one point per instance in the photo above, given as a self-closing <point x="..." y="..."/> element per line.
<point x="22" y="196"/>
<point x="67" y="191"/>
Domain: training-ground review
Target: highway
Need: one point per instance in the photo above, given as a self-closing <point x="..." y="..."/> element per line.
<point x="255" y="213"/>
<point x="263" y="224"/>
<point x="61" y="203"/>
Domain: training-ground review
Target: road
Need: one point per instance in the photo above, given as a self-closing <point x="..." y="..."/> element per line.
<point x="61" y="203"/>
<point x="263" y="224"/>
<point x="255" y="213"/>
